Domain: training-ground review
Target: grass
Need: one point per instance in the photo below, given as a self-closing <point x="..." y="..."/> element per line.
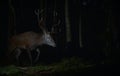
<point x="67" y="64"/>
<point x="9" y="70"/>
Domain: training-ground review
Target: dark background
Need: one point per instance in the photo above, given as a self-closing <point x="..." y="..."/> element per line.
<point x="96" y="16"/>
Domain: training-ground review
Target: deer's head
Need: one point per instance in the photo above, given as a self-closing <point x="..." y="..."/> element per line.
<point x="46" y="37"/>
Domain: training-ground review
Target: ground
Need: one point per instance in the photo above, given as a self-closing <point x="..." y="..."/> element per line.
<point x="67" y="66"/>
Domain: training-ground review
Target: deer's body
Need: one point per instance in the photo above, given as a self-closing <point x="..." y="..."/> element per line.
<point x="30" y="40"/>
<point x="26" y="40"/>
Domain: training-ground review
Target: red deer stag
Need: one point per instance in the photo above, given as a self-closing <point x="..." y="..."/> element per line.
<point x="30" y="40"/>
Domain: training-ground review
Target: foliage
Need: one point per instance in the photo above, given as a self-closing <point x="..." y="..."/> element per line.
<point x="65" y="65"/>
<point x="72" y="64"/>
<point x="9" y="70"/>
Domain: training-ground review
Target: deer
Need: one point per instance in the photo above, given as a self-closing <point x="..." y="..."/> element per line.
<point x="30" y="40"/>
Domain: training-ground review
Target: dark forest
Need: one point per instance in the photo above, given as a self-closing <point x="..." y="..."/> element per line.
<point x="85" y="33"/>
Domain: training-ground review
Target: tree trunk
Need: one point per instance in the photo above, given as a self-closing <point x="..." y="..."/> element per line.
<point x="67" y="21"/>
<point x="74" y="21"/>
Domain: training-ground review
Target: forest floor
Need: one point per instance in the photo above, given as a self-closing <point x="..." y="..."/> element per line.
<point x="67" y="66"/>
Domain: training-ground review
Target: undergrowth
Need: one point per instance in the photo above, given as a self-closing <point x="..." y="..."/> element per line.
<point x="66" y="64"/>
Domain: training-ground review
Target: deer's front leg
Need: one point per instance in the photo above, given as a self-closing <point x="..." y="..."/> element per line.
<point x="18" y="53"/>
<point x="38" y="54"/>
